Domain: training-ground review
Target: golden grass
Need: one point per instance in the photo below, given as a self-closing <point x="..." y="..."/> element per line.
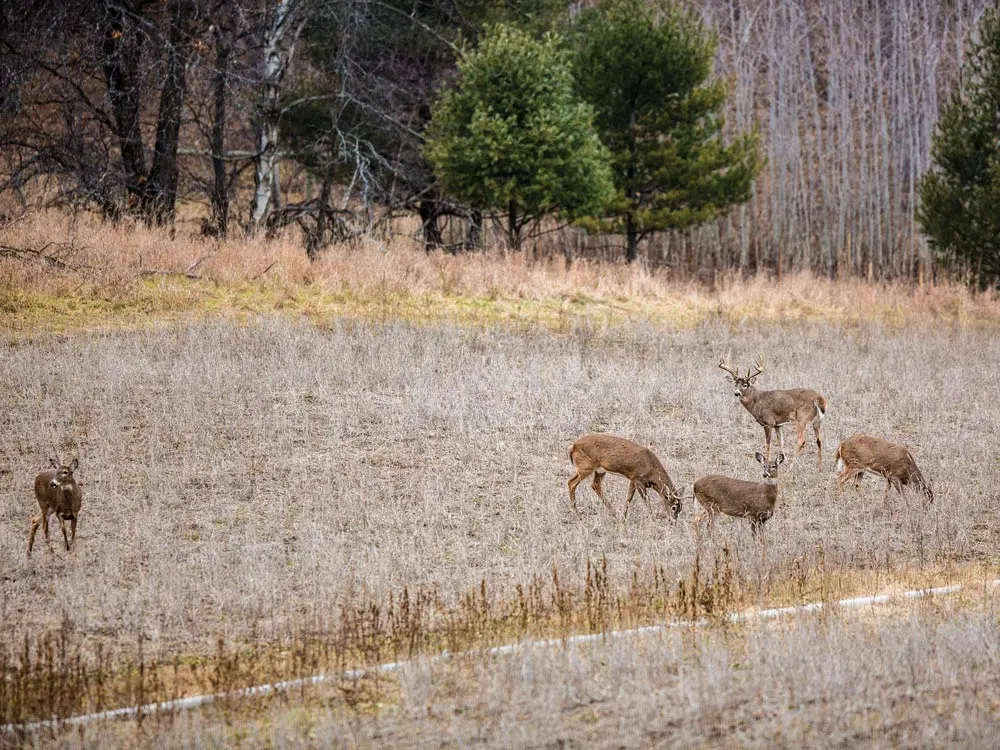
<point x="120" y="277"/>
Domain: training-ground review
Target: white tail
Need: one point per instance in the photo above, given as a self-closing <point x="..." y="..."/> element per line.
<point x="754" y="501"/>
<point x="597" y="454"/>
<point x="894" y="463"/>
<point x="57" y="492"/>
<point x="772" y="409"/>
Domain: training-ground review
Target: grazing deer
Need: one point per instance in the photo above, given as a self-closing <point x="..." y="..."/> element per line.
<point x="751" y="500"/>
<point x="861" y="453"/>
<point x="773" y="409"/>
<point x="597" y="454"/>
<point x="57" y="492"/>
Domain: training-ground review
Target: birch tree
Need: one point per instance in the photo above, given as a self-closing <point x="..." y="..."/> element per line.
<point x="282" y="27"/>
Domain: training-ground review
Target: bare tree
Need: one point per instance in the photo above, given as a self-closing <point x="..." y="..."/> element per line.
<point x="281" y="30"/>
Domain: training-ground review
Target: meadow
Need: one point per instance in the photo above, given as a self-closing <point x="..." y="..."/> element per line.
<point x="293" y="471"/>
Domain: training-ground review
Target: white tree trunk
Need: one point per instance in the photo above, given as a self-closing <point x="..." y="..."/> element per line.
<point x="280" y="36"/>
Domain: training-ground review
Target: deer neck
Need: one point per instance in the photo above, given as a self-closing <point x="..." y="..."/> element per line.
<point x="770" y="491"/>
<point x="749" y="397"/>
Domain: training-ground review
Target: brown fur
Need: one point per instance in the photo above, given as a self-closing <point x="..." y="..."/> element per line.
<point x="772" y="409"/>
<point x="57" y="492"/>
<point x="861" y="453"/>
<point x="597" y="454"/>
<point x="754" y="501"/>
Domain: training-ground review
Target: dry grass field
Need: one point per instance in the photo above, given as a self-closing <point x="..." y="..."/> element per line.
<point x="925" y="677"/>
<point x="318" y="478"/>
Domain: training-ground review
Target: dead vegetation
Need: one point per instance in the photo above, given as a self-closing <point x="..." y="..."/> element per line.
<point x="319" y="496"/>
<point x="66" y="274"/>
<point x="294" y="468"/>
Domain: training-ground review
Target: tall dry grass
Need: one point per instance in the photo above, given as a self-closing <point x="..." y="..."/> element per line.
<point x="917" y="676"/>
<point x="126" y="273"/>
<point x="272" y="470"/>
<point x="241" y="477"/>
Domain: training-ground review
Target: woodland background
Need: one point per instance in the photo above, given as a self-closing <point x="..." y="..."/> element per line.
<point x="205" y="119"/>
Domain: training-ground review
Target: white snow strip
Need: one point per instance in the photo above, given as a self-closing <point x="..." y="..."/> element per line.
<point x="195" y="701"/>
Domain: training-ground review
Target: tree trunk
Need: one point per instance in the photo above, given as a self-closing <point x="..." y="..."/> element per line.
<point x="631" y="239"/>
<point x="513" y="228"/>
<point x="279" y="46"/>
<point x="220" y="189"/>
<point x="121" y="50"/>
<point x="163" y="175"/>
<point x="317" y="243"/>
<point x="474" y="238"/>
<point x="429" y="213"/>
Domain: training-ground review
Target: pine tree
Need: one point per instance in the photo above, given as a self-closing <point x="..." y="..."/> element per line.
<point x="511" y="137"/>
<point x="960" y="196"/>
<point x="645" y="67"/>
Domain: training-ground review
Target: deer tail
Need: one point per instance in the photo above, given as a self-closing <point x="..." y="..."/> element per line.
<point x="820" y="403"/>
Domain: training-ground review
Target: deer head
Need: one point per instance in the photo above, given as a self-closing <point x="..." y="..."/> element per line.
<point x="745" y="382"/>
<point x="63" y="474"/>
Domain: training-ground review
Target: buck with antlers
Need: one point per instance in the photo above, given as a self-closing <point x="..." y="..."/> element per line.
<point x="754" y="501"/>
<point x="57" y="492"/>
<point x="894" y="463"/>
<point x="599" y="454"/>
<point x="774" y="409"/>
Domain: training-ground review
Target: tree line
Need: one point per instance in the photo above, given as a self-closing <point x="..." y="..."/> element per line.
<point x="789" y="134"/>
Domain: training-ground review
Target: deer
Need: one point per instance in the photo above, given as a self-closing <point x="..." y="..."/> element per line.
<point x="860" y="453"/>
<point x="754" y="501"/>
<point x="599" y="454"/>
<point x="774" y="409"/>
<point x="57" y="491"/>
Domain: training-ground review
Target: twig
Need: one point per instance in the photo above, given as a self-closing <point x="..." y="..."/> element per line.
<point x="187" y="273"/>
<point x="254" y="278"/>
<point x="167" y="272"/>
<point x="27" y="253"/>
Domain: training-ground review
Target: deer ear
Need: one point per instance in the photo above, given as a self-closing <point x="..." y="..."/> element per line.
<point x="75" y="465"/>
<point x="781" y="458"/>
<point x="759" y="456"/>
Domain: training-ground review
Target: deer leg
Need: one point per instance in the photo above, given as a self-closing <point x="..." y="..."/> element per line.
<point x="698" y="520"/>
<point x="72" y="527"/>
<point x="645" y="496"/>
<point x="817" y="424"/>
<point x="598" y="487"/>
<point x="574" y="481"/>
<point x="800" y="435"/>
<point x="628" y="498"/>
<point x="45" y="529"/>
<point x="841" y="478"/>
<point x="767" y="441"/>
<point x="31" y="534"/>
<point x="62" y="526"/>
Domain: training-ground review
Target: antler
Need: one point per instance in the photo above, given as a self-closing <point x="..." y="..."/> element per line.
<point x="758" y="366"/>
<point x="734" y="374"/>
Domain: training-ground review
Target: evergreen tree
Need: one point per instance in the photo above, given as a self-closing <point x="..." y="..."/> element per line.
<point x="960" y="197"/>
<point x="511" y="137"/>
<point x="644" y="66"/>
